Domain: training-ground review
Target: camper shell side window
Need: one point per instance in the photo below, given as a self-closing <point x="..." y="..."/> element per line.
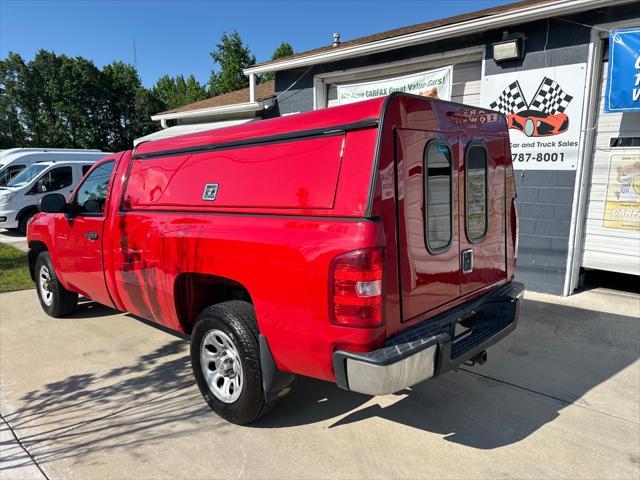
<point x="438" y="172"/>
<point x="476" y="191"/>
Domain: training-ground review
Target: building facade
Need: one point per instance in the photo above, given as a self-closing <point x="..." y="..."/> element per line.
<point x="543" y="64"/>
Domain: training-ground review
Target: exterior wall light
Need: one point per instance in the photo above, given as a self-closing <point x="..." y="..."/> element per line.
<point x="508" y="50"/>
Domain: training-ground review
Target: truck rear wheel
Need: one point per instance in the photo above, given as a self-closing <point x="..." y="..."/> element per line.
<point x="225" y="358"/>
<point x="56" y="300"/>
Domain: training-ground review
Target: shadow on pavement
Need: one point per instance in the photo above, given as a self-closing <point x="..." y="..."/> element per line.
<point x="555" y="356"/>
<point x="4" y="233"/>
<point x="592" y="279"/>
<point x="89" y="309"/>
<point x="63" y="416"/>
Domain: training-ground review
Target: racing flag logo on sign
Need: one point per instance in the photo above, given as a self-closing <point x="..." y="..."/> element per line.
<point x="511" y="100"/>
<point x="543" y="117"/>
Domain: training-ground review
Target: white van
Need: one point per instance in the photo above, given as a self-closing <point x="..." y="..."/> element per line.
<point x="15" y="160"/>
<point x="19" y="198"/>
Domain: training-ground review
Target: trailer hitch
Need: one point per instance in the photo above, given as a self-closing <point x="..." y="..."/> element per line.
<point x="479" y="359"/>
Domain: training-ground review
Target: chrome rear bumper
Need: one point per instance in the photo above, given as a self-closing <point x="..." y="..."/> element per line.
<point x="431" y="348"/>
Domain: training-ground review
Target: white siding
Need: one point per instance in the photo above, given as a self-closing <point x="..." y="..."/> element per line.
<point x="615" y="250"/>
<point x="466" y="83"/>
<point x="465" y="87"/>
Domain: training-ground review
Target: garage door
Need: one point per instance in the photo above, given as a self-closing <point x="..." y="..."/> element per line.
<point x="612" y="240"/>
<point x="465" y="86"/>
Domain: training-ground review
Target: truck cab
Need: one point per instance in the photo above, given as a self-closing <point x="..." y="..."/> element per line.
<point x="371" y="244"/>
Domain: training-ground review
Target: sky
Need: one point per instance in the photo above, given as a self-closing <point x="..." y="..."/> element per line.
<point x="175" y="37"/>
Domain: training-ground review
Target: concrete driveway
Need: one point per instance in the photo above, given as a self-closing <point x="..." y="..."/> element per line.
<point x="13" y="238"/>
<point x="104" y="395"/>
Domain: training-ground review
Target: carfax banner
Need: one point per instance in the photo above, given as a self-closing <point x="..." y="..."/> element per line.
<point x="543" y="108"/>
<point x="623" y="77"/>
<point x="416" y="83"/>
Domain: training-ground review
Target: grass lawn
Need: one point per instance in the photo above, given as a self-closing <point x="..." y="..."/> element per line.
<point x="14" y="269"/>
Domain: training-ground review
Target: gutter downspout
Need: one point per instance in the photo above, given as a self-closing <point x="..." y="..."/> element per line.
<point x="583" y="169"/>
<point x="252" y="88"/>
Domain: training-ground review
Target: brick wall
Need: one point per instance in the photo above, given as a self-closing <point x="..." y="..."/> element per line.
<point x="544" y="206"/>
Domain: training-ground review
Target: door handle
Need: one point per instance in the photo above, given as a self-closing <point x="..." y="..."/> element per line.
<point x="91" y="235"/>
<point x="467" y="261"/>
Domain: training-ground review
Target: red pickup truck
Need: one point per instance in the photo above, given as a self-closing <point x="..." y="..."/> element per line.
<point x="372" y="244"/>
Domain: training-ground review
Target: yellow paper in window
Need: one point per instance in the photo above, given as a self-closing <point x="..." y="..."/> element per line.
<point x="622" y="205"/>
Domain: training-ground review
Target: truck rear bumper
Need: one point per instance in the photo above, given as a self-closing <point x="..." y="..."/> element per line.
<point x="433" y="347"/>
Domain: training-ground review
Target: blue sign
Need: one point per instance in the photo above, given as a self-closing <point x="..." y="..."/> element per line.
<point x="623" y="80"/>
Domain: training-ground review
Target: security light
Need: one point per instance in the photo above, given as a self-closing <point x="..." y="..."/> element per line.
<point x="507" y="50"/>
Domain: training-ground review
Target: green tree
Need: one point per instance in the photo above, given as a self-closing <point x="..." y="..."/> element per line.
<point x="79" y="98"/>
<point x="176" y="91"/>
<point x="13" y="131"/>
<point x="121" y="82"/>
<point x="233" y="56"/>
<point x="50" y="99"/>
<point x="284" y="50"/>
<point x="146" y="104"/>
<point x="60" y="101"/>
<point x="40" y="101"/>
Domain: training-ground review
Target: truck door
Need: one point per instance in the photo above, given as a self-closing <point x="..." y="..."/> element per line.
<point x="481" y="187"/>
<point x="427" y="164"/>
<point x="79" y="237"/>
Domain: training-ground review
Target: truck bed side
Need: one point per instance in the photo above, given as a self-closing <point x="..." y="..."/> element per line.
<point x="166" y="259"/>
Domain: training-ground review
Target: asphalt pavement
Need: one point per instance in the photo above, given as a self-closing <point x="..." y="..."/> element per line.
<point x="106" y="395"/>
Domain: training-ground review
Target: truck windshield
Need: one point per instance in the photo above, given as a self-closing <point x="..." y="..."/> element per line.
<point x="24" y="177"/>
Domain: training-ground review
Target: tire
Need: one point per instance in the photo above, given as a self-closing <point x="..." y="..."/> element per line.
<point x="232" y="386"/>
<point x="56" y="300"/>
<point x="24" y="219"/>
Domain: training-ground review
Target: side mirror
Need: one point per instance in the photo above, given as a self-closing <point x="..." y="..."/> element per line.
<point x="52" y="203"/>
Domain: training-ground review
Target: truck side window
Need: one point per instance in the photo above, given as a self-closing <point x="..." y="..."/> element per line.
<point x="476" y="192"/>
<point x="85" y="169"/>
<point x="437" y="185"/>
<point x="55" y="179"/>
<point x="92" y="193"/>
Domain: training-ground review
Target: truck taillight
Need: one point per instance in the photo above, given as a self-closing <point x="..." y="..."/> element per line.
<point x="356" y="288"/>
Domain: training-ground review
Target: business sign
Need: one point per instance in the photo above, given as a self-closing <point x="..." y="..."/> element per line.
<point x="543" y="108"/>
<point x="623" y="78"/>
<point x="416" y="83"/>
<point x="622" y="206"/>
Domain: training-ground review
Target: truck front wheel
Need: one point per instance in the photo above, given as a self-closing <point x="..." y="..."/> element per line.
<point x="56" y="300"/>
<point x="225" y="358"/>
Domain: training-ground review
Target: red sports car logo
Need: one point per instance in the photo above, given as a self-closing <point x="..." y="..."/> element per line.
<point x="543" y="117"/>
<point x="538" y="124"/>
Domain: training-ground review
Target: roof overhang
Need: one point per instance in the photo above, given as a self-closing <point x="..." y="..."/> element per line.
<point x="499" y="20"/>
<point x="247" y="107"/>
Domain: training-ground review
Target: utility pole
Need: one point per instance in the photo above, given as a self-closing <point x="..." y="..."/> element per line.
<point x="135" y="55"/>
